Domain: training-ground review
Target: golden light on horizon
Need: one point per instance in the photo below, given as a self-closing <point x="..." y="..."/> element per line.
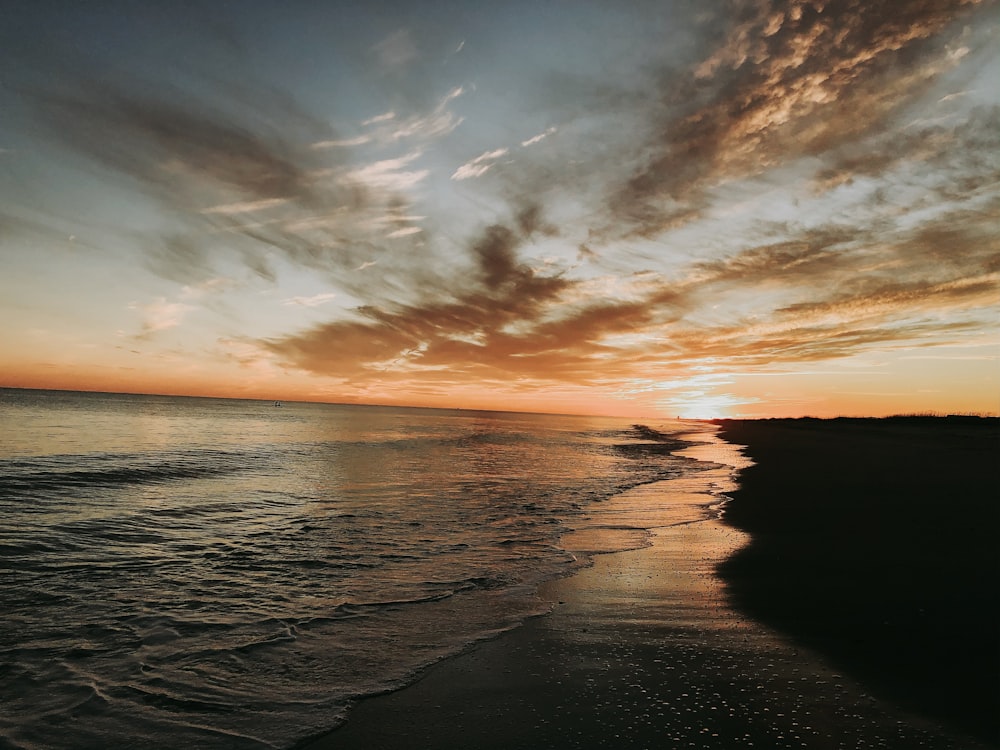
<point x="703" y="405"/>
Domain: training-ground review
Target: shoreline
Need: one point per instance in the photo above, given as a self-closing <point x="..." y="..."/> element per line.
<point x="640" y="649"/>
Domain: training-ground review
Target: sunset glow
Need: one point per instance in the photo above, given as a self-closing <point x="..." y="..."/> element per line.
<point x="775" y="208"/>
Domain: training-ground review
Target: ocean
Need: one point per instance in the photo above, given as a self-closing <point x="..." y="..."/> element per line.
<point x="220" y="573"/>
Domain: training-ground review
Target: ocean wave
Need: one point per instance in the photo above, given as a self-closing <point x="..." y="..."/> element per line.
<point x="65" y="473"/>
<point x="195" y="584"/>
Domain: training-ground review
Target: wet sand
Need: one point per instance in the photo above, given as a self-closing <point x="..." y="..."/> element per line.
<point x="642" y="649"/>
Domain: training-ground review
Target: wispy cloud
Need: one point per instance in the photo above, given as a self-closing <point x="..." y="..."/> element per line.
<point x="378" y="119"/>
<point x="538" y="138"/>
<point x="358" y="140"/>
<point x="244" y="207"/>
<point x="314" y="301"/>
<point x="160" y="315"/>
<point x="438" y="123"/>
<point x="404" y="232"/>
<point x="261" y="181"/>
<point x="207" y="287"/>
<point x="390" y="173"/>
<point x="478" y="166"/>
<point x="248" y="354"/>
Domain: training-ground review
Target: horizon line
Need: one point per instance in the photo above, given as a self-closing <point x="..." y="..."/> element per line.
<point x="906" y="415"/>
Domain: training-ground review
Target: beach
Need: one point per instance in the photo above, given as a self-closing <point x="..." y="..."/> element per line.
<point x="693" y="641"/>
<point x="223" y="574"/>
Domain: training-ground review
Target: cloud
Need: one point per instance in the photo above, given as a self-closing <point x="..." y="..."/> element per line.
<point x="358" y="140"/>
<point x="248" y="354"/>
<point x="389" y="127"/>
<point x="389" y="173"/>
<point x="314" y="301"/>
<point x="787" y="80"/>
<point x="538" y="138"/>
<point x="959" y="150"/>
<point x="179" y="257"/>
<point x="241" y="181"/>
<point x="500" y="290"/>
<point x="914" y="297"/>
<point x="478" y="166"/>
<point x="830" y="295"/>
<point x="748" y="346"/>
<point x="246" y="206"/>
<point x="378" y="119"/>
<point x="240" y="174"/>
<point x="823" y="293"/>
<point x="210" y="164"/>
<point x="509" y="320"/>
<point x="404" y="232"/>
<point x="160" y="142"/>
<point x="440" y="122"/>
<point x="812" y="258"/>
<point x="160" y="315"/>
<point x="207" y="287"/>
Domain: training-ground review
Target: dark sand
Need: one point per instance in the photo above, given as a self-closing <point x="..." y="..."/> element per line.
<point x="875" y="543"/>
<point x="645" y="650"/>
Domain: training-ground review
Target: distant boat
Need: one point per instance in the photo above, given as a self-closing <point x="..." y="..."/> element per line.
<point x="277" y="403"/>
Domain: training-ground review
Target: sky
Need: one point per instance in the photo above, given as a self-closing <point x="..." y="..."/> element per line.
<point x="696" y="208"/>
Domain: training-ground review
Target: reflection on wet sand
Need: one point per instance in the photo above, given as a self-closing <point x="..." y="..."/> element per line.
<point x="642" y="650"/>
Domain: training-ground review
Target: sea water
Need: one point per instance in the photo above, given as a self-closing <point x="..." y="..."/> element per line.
<point x="216" y="573"/>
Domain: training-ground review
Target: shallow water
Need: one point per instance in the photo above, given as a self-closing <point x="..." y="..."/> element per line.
<point x="225" y="573"/>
